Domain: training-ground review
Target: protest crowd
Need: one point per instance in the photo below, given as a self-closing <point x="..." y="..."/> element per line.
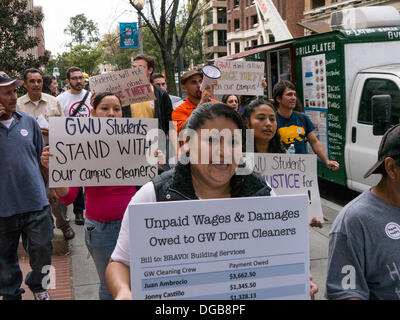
<point x="33" y="207"/>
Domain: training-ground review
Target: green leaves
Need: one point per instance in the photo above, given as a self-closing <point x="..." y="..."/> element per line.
<point x="18" y="38"/>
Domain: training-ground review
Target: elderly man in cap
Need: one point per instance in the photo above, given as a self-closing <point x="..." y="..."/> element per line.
<point x="191" y="83"/>
<point x="24" y="208"/>
<point x="364" y="244"/>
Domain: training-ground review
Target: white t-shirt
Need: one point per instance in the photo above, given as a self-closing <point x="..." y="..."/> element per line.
<point x="7" y="123"/>
<point x="71" y="101"/>
<point x="121" y="252"/>
<point x="146" y="194"/>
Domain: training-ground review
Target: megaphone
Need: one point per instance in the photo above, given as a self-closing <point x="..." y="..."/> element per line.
<point x="210" y="73"/>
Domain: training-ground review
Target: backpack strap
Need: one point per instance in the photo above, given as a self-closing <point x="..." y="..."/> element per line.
<point x="75" y="112"/>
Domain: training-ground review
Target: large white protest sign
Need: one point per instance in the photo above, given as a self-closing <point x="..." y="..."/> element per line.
<point x="240" y="77"/>
<point x="222" y="249"/>
<point x="291" y="174"/>
<point x="101" y="151"/>
<point x="131" y="85"/>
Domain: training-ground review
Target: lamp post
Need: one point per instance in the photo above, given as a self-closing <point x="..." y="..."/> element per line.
<point x="140" y="5"/>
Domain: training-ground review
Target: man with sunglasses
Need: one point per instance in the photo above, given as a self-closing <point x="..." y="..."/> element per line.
<point x="364" y="243"/>
<point x="70" y="99"/>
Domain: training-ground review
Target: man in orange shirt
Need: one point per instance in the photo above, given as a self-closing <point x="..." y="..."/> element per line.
<point x="191" y="82"/>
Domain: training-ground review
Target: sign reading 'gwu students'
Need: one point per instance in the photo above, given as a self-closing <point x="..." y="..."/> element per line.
<point x="102" y="151"/>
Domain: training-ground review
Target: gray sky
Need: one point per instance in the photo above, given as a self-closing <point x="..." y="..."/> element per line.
<point x="107" y="13"/>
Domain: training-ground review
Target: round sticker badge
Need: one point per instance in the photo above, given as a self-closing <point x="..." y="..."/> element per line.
<point x="392" y="230"/>
<point x="24" y="132"/>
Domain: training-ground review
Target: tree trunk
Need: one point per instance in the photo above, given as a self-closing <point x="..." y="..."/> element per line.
<point x="169" y="67"/>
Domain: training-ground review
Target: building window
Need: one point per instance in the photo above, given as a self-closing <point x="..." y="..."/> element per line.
<point x="222" y="38"/>
<point x="254" y="19"/>
<point x="209" y="19"/>
<point x="221" y="15"/>
<point x="236" y="3"/>
<point x="210" y="39"/>
<point x="271" y="37"/>
<point x="237" y="47"/>
<point x="221" y="54"/>
<point x="236" y="24"/>
<point x="229" y="25"/>
<point x="254" y="43"/>
<point x="317" y="3"/>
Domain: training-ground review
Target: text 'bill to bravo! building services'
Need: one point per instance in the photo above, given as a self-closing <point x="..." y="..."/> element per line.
<point x="222" y="249"/>
<point x="102" y="151"/>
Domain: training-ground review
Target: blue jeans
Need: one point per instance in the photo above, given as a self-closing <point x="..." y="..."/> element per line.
<point x="101" y="239"/>
<point x="36" y="229"/>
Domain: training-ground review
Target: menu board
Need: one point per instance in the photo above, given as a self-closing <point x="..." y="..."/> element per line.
<point x="314" y="81"/>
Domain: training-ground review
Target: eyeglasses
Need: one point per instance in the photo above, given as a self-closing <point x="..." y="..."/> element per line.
<point x="76" y="78"/>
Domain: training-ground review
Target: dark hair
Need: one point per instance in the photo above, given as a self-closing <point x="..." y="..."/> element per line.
<point x="280" y="88"/>
<point x="47" y="80"/>
<point x="211" y="110"/>
<point x="72" y="69"/>
<point x="275" y="145"/>
<point x="225" y="97"/>
<point x="31" y="70"/>
<point x="149" y="60"/>
<point x="155" y="76"/>
<point x="100" y="96"/>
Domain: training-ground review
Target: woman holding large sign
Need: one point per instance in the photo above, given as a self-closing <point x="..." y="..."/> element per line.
<point x="192" y="181"/>
<point x="105" y="206"/>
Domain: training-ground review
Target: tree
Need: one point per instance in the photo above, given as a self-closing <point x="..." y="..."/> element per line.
<point x="193" y="44"/>
<point x="121" y="58"/>
<point x="85" y="51"/>
<point x="83" y="31"/>
<point x="165" y="32"/>
<point x="15" y="40"/>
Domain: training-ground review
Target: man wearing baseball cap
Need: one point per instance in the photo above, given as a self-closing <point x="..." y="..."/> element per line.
<point x="191" y="83"/>
<point x="364" y="243"/>
<point x="24" y="208"/>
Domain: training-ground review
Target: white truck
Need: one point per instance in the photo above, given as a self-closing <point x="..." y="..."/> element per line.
<point x="336" y="76"/>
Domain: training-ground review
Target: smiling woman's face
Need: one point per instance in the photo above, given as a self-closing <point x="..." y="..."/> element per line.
<point x="220" y="163"/>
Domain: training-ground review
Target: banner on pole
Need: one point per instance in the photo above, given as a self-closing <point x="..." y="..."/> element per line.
<point x="128" y="35"/>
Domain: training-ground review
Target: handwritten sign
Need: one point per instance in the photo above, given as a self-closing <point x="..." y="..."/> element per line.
<point x="131" y="85"/>
<point x="101" y="151"/>
<point x="240" y="77"/>
<point x="291" y="174"/>
<point x="222" y="249"/>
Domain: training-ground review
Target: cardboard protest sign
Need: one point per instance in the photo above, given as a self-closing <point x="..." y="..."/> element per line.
<point x="291" y="174"/>
<point x="131" y="85"/>
<point x="240" y="77"/>
<point x="221" y="249"/>
<point x="101" y="151"/>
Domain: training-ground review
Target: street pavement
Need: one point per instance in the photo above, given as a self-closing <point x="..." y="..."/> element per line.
<point x="85" y="280"/>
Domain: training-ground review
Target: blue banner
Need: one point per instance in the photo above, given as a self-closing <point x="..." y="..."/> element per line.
<point x="128" y="35"/>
